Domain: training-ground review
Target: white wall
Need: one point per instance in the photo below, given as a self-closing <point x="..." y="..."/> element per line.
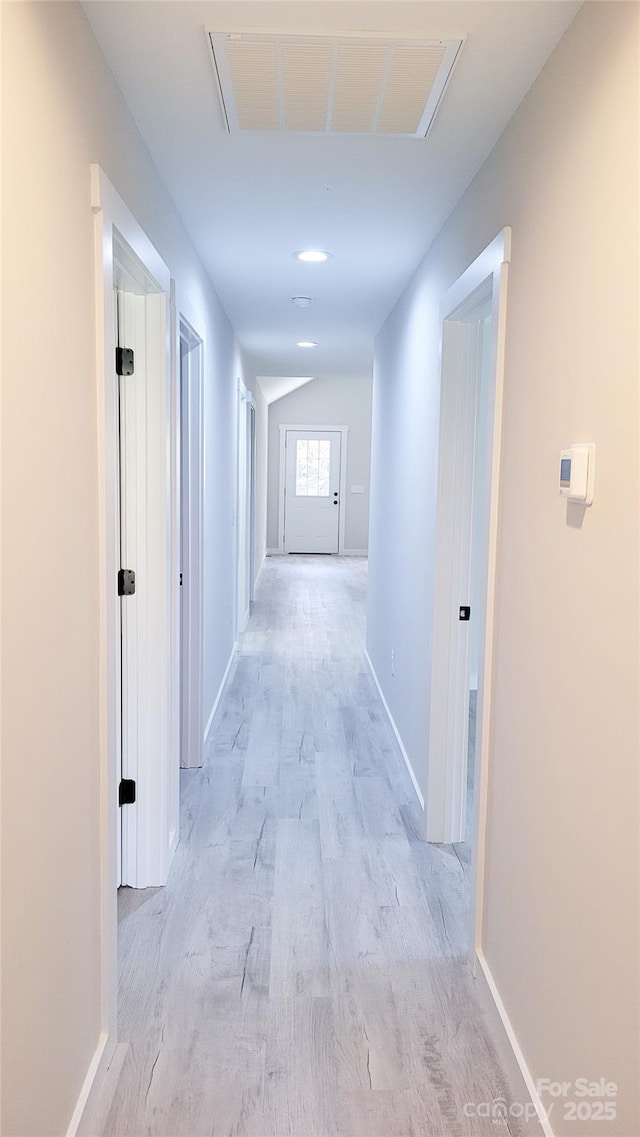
<point x="61" y="110"/>
<point x="561" y="918"/>
<point x="336" y="401"/>
<point x="219" y="554"/>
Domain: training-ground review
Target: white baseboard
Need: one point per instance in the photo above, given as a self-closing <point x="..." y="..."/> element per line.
<point x="257" y="576"/>
<point x="102" y="1094"/>
<point x="344" y="553"/>
<point x="220" y="690"/>
<point x="514" y="1044"/>
<point x="395" y="730"/>
<point x="97" y="1067"/>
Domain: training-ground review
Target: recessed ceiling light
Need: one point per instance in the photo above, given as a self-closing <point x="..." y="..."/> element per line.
<point x="306" y="343"/>
<point x="312" y="256"/>
<point x="301" y="301"/>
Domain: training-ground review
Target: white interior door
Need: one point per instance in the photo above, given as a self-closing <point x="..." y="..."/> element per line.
<point x="252" y="502"/>
<point x="132" y="480"/>
<point x="149" y="764"/>
<point x="462" y="520"/>
<point x="248" y="511"/>
<point x="184" y="573"/>
<point x="312" y="491"/>
<point x="470" y="489"/>
<point x="473" y="315"/>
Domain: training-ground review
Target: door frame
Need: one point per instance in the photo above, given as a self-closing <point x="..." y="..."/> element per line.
<point x="444" y="814"/>
<point x="112" y="218"/>
<point x="282" y="474"/>
<point x="188" y="670"/>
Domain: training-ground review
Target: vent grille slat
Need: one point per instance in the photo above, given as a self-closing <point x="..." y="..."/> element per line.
<point x="334" y="85"/>
<point x="306" y="71"/>
<point x="360" y="70"/>
<point x="411" y="79"/>
<point x="255" y="86"/>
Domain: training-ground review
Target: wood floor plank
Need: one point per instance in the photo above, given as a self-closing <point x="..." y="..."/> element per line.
<point x="338" y="812"/>
<point x="300" y="1095"/>
<point x="299" y="948"/>
<point x="303" y="973"/>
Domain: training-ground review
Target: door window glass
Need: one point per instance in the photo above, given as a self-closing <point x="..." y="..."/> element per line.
<point x="313" y="462"/>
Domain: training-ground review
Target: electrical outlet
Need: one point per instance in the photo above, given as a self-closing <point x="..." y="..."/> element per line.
<point x="393" y="662"/>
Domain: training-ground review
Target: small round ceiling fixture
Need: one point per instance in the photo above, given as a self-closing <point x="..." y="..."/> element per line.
<point x="306" y="343"/>
<point x="312" y="256"/>
<point x="301" y="301"/>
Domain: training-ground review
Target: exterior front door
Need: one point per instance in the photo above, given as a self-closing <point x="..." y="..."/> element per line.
<point x="312" y="491"/>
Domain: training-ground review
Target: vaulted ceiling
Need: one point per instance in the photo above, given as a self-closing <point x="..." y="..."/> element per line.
<point x="375" y="202"/>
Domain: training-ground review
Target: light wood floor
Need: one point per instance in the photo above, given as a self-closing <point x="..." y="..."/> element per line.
<point x="303" y="973"/>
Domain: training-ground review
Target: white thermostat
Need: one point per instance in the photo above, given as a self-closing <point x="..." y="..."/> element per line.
<point x="577" y="472"/>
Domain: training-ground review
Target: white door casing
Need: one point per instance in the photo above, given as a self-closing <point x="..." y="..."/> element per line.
<point x="312" y="488"/>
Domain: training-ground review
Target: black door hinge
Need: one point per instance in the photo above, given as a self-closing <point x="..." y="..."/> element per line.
<point x="124" y="361"/>
<point x="126" y="791"/>
<point x="181" y="580"/>
<point x="465" y="612"/>
<point x="126" y="582"/>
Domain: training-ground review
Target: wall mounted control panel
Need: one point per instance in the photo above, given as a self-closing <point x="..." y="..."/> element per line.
<point x="577" y="472"/>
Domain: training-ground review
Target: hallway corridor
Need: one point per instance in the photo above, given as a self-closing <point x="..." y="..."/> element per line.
<point x="302" y="974"/>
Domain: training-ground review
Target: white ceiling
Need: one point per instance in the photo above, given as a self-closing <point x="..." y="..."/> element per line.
<point x="376" y="203"/>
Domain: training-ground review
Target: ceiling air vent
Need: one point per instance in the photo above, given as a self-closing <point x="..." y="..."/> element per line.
<point x="329" y="85"/>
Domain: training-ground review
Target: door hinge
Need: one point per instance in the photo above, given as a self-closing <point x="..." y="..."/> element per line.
<point x="126" y="791"/>
<point x="181" y="580"/>
<point x="464" y="613"/>
<point x="124" y="361"/>
<point x="126" y="582"/>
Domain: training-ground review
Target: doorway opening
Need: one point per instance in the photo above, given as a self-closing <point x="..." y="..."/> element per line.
<point x="473" y="334"/>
